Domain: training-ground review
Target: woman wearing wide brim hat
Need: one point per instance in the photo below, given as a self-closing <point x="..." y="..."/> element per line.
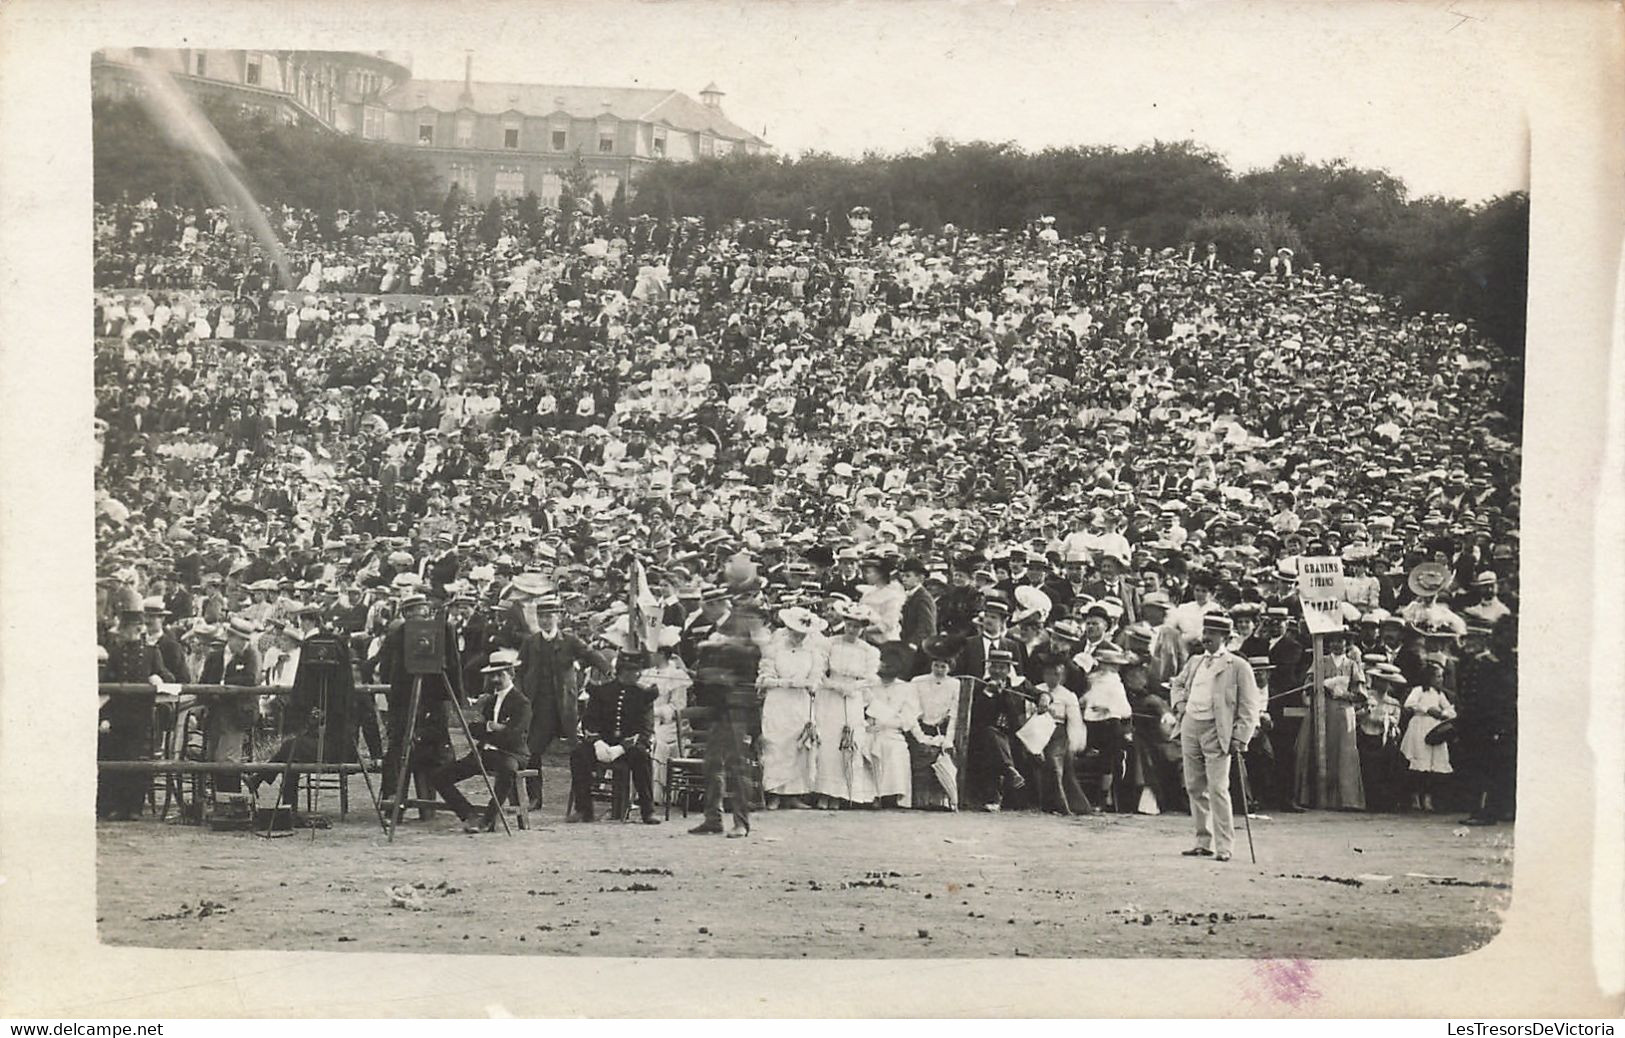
<point x="793" y="663"/>
<point x="853" y="668"/>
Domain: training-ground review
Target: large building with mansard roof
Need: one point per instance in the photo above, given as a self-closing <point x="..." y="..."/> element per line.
<point x="491" y="138"/>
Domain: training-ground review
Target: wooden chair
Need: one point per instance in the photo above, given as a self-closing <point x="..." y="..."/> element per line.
<point x="180" y="740"/>
<point x="611" y="784"/>
<point x="685" y="768"/>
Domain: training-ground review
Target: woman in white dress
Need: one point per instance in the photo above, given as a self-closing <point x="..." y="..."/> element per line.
<point x="884" y="597"/>
<point x="852" y="670"/>
<point x="1426" y="708"/>
<point x="938" y="693"/>
<point x="893" y="713"/>
<point x="793" y="664"/>
<point x="670" y="680"/>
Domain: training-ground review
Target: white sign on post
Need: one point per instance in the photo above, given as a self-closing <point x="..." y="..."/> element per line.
<point x="1320" y="589"/>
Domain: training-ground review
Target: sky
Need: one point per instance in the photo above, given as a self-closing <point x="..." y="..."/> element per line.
<point x="1419" y="89"/>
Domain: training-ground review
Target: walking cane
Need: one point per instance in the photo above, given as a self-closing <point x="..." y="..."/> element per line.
<point x="1246" y="811"/>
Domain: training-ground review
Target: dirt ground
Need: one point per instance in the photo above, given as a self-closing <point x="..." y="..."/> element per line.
<point x="854" y="884"/>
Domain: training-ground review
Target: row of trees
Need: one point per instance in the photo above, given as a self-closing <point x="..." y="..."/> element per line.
<point x="1431" y="253"/>
<point x="300" y="166"/>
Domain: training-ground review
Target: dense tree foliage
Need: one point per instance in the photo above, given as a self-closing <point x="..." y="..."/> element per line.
<point x="300" y="166"/>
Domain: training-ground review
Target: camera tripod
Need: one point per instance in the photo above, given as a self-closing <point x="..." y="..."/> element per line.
<point x="393" y="821"/>
<point x="321" y="670"/>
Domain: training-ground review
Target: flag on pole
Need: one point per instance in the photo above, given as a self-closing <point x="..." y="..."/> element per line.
<point x="642" y="611"/>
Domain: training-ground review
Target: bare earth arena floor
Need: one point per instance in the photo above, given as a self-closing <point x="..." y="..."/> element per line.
<point x="855" y="884"/>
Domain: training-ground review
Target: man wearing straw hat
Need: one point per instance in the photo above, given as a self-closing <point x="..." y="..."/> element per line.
<point x="500" y="724"/>
<point x="1217" y="702"/>
<point x="548" y="663"/>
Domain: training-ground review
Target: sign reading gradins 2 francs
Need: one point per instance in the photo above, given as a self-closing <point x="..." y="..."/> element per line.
<point x="1320" y="589"/>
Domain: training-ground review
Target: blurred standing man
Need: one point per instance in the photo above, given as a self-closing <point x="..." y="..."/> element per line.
<point x="1217" y="702"/>
<point x="725" y="681"/>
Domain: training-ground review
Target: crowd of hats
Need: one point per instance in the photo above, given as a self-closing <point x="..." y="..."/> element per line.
<point x="762" y="395"/>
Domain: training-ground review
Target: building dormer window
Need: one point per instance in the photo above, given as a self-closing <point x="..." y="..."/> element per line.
<point x="658" y="142"/>
<point x="425" y="133"/>
<point x="465" y="130"/>
<point x="251" y="71"/>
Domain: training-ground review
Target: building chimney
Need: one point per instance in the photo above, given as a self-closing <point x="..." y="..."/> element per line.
<point x="468" y="79"/>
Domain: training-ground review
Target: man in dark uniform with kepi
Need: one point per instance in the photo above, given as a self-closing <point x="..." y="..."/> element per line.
<point x="617" y="723"/>
<point x="126" y="720"/>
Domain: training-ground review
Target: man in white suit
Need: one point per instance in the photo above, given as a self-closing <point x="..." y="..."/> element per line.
<point x="1217" y="703"/>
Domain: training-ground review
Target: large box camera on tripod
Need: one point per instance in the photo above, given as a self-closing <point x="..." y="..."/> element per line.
<point x="425" y="647"/>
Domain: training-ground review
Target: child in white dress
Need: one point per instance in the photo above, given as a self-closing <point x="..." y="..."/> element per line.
<point x="1425" y="709"/>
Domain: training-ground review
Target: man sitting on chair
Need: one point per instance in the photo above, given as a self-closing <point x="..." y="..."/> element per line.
<point x="617" y="722"/>
<point x="500" y="724"/>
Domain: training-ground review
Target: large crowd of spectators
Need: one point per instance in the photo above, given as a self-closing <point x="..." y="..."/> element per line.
<point x="907" y="451"/>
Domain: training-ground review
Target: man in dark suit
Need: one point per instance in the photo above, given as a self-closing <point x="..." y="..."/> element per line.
<point x="1112" y="581"/>
<point x="1289" y="667"/>
<point x="998" y="710"/>
<point x="227" y="718"/>
<point x="431" y="738"/>
<point x="618" y="716"/>
<point x="974" y="655"/>
<point x="548" y="662"/>
<point x="499" y="721"/>
<point x="154" y="613"/>
<point x="919" y="612"/>
<point x="714" y="610"/>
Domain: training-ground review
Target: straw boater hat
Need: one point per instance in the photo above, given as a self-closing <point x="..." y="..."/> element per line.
<point x="1217" y="623"/>
<point x="413" y="599"/>
<point x="1113" y="657"/>
<point x="501" y="660"/>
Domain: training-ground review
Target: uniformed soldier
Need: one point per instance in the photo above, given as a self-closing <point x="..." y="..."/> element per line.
<point x="126" y="720"/>
<point x="617" y="723"/>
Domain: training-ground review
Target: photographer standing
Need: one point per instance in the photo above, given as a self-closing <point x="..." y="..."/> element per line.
<point x="432" y="739"/>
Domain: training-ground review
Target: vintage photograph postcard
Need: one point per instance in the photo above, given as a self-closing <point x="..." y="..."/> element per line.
<point x="654" y="494"/>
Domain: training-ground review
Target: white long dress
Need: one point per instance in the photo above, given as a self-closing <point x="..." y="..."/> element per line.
<point x="838" y="704"/>
<point x="788" y="675"/>
<point x="894" y="707"/>
<point x="671" y="682"/>
<point x="1414" y="746"/>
